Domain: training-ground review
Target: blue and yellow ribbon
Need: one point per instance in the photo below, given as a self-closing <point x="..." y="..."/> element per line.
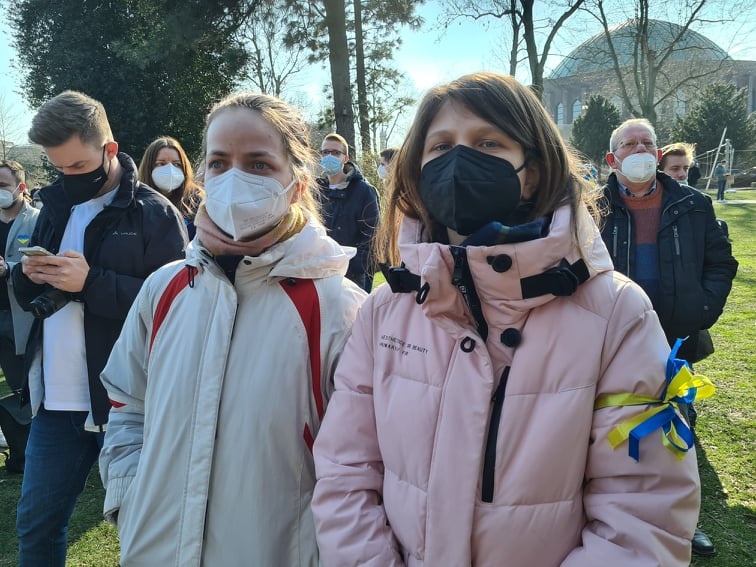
<point x="682" y="386"/>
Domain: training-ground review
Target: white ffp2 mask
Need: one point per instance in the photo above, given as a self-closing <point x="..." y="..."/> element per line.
<point x="167" y="177"/>
<point x="638" y="167"/>
<point x="243" y="204"/>
<point x="8" y="198"/>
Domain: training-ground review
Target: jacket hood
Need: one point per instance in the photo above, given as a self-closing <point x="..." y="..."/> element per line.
<point x="310" y="254"/>
<point x="353" y="174"/>
<point x="500" y="292"/>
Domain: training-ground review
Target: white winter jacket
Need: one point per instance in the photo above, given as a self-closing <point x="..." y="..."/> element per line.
<point x="207" y="457"/>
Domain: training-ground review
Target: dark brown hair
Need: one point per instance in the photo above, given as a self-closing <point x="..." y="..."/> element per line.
<point x="516" y="111"/>
<point x="188" y="196"/>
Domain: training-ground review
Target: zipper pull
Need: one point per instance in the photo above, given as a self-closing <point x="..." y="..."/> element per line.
<point x="458" y="254"/>
<point x="677" y="239"/>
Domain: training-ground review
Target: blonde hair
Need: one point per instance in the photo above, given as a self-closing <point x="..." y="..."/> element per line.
<point x="294" y="132"/>
<point x="340" y="139"/>
<point x="677" y="149"/>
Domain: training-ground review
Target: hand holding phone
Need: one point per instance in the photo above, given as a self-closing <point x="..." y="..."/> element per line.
<point x="35" y="251"/>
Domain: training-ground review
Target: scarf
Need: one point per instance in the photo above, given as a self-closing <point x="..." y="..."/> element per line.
<point x="221" y="244"/>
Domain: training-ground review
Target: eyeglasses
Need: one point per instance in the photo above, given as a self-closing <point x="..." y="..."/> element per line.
<point x="632" y="144"/>
<point x="336" y="153"/>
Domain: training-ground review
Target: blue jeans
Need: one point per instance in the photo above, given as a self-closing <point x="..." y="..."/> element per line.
<point x="721" y="186"/>
<point x="59" y="456"/>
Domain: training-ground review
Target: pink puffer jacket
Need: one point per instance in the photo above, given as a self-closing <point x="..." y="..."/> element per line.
<point x="404" y="477"/>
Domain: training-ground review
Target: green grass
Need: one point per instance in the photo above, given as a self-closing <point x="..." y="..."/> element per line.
<point x="726" y="430"/>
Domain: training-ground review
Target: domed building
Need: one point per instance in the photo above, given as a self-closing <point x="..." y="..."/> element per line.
<point x="589" y="69"/>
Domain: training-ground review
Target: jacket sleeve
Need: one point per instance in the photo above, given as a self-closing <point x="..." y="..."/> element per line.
<point x="367" y="224"/>
<point x="24" y="289"/>
<point x="125" y="379"/>
<point x="350" y="521"/>
<point x="109" y="294"/>
<point x="719" y="268"/>
<point x="637" y="513"/>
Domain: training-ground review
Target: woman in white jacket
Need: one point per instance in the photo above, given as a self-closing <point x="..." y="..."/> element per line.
<point x="220" y="377"/>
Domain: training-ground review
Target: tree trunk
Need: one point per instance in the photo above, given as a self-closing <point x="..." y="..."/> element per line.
<point x="362" y="102"/>
<point x="338" y="57"/>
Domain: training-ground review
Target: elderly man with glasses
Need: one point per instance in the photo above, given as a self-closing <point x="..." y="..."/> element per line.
<point x="350" y="207"/>
<point x="666" y="238"/>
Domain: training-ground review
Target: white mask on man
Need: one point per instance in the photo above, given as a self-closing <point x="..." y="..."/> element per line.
<point x="244" y="204"/>
<point x="638" y="168"/>
<point x="167" y="177"/>
<point x="8" y="198"/>
<point x="382" y="172"/>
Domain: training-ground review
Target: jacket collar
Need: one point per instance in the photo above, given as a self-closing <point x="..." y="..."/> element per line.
<point x="673" y="191"/>
<point x="310" y="254"/>
<point x="59" y="208"/>
<point x="500" y="292"/>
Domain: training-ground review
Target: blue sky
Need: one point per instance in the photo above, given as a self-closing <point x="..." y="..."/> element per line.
<point x="429" y="56"/>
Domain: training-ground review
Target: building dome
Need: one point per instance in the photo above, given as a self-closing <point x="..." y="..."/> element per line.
<point x="593" y="56"/>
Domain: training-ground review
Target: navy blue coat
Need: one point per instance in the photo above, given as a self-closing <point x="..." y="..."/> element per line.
<point x="351" y="216"/>
<point x="696" y="266"/>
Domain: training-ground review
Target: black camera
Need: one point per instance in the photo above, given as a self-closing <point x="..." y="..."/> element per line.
<point x="47" y="303"/>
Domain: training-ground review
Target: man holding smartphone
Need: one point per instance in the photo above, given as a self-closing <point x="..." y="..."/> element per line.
<point x="107" y="232"/>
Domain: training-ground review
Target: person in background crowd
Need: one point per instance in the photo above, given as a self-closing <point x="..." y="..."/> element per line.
<point x="721" y="173"/>
<point x="350" y="207"/>
<point x="694" y="173"/>
<point x="665" y="236"/>
<point x="487" y="363"/>
<point x="166" y="167"/>
<point x="675" y="161"/>
<point x="106" y="232"/>
<point x="224" y="367"/>
<point x="387" y="156"/>
<point x="36" y="201"/>
<point x="17" y="220"/>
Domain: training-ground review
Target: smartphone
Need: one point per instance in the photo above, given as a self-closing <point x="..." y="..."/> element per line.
<point x="35" y="251"/>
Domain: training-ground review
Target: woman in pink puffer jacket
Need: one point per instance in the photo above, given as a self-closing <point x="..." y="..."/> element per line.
<point x="462" y="429"/>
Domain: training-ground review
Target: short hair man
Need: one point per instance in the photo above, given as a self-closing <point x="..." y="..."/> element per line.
<point x="17" y="220"/>
<point x="350" y="207"/>
<point x="107" y="232"/>
<point x="664" y="236"/>
<point x="676" y="160"/>
<point x="721" y="172"/>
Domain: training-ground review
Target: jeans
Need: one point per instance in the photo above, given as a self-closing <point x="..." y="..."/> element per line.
<point x="721" y="186"/>
<point x="59" y="456"/>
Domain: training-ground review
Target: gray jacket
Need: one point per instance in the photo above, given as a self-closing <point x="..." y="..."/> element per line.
<point x="19" y="236"/>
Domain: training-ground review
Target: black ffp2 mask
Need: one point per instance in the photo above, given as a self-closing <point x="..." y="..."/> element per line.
<point x="465" y="189"/>
<point x="82" y="187"/>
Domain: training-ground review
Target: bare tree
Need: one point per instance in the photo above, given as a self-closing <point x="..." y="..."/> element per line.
<point x="521" y="19"/>
<point x="11" y="130"/>
<point x="656" y="71"/>
<point x="272" y="65"/>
